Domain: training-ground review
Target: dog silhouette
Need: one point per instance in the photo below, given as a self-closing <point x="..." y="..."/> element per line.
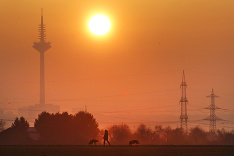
<point x="94" y="141"/>
<point x="134" y="142"/>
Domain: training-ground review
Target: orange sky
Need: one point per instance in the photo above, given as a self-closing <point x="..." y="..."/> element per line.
<point x="133" y="73"/>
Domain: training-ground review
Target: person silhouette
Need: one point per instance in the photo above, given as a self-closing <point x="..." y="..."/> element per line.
<point x="106" y="137"/>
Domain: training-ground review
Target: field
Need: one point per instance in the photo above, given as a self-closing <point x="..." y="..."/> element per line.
<point x="57" y="150"/>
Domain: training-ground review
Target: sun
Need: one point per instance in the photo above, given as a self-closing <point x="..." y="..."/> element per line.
<point x="99" y="25"/>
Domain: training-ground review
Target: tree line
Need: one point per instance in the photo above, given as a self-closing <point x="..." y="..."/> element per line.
<point x="78" y="129"/>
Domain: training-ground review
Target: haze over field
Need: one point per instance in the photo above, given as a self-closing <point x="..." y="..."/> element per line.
<point x="130" y="75"/>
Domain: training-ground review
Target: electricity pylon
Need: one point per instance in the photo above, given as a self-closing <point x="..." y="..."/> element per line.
<point x="183" y="103"/>
<point x="212" y="118"/>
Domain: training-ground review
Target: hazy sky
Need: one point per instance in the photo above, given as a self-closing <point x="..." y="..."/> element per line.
<point x="133" y="73"/>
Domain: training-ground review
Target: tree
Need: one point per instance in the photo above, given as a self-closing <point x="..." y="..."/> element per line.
<point x="66" y="128"/>
<point x="17" y="133"/>
<point x="144" y="135"/>
<point x="225" y="138"/>
<point x="2" y="124"/>
<point x="20" y="124"/>
<point x="198" y="136"/>
<point x="85" y="127"/>
<point x="176" y="136"/>
<point x="120" y="134"/>
<point x="160" y="134"/>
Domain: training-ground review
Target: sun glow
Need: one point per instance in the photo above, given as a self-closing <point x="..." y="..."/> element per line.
<point x="99" y="25"/>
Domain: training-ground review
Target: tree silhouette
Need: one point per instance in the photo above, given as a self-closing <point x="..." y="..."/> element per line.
<point x="17" y="133"/>
<point x="176" y="136"/>
<point x="120" y="134"/>
<point x="225" y="138"/>
<point x="198" y="136"/>
<point x="66" y="128"/>
<point x="160" y="137"/>
<point x="20" y="124"/>
<point x="2" y="123"/>
<point x="86" y="126"/>
<point x="144" y="135"/>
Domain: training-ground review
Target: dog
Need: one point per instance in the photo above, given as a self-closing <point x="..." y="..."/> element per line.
<point x="134" y="142"/>
<point x="94" y="141"/>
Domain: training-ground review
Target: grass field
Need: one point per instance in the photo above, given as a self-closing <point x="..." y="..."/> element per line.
<point x="58" y="150"/>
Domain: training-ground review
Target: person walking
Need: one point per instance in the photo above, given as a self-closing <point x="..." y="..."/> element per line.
<point x="106" y="137"/>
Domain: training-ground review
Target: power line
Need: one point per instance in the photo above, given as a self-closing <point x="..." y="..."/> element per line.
<point x="105" y="96"/>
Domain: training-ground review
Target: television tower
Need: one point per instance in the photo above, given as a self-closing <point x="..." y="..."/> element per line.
<point x="183" y="103"/>
<point x="41" y="47"/>
<point x="212" y="118"/>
